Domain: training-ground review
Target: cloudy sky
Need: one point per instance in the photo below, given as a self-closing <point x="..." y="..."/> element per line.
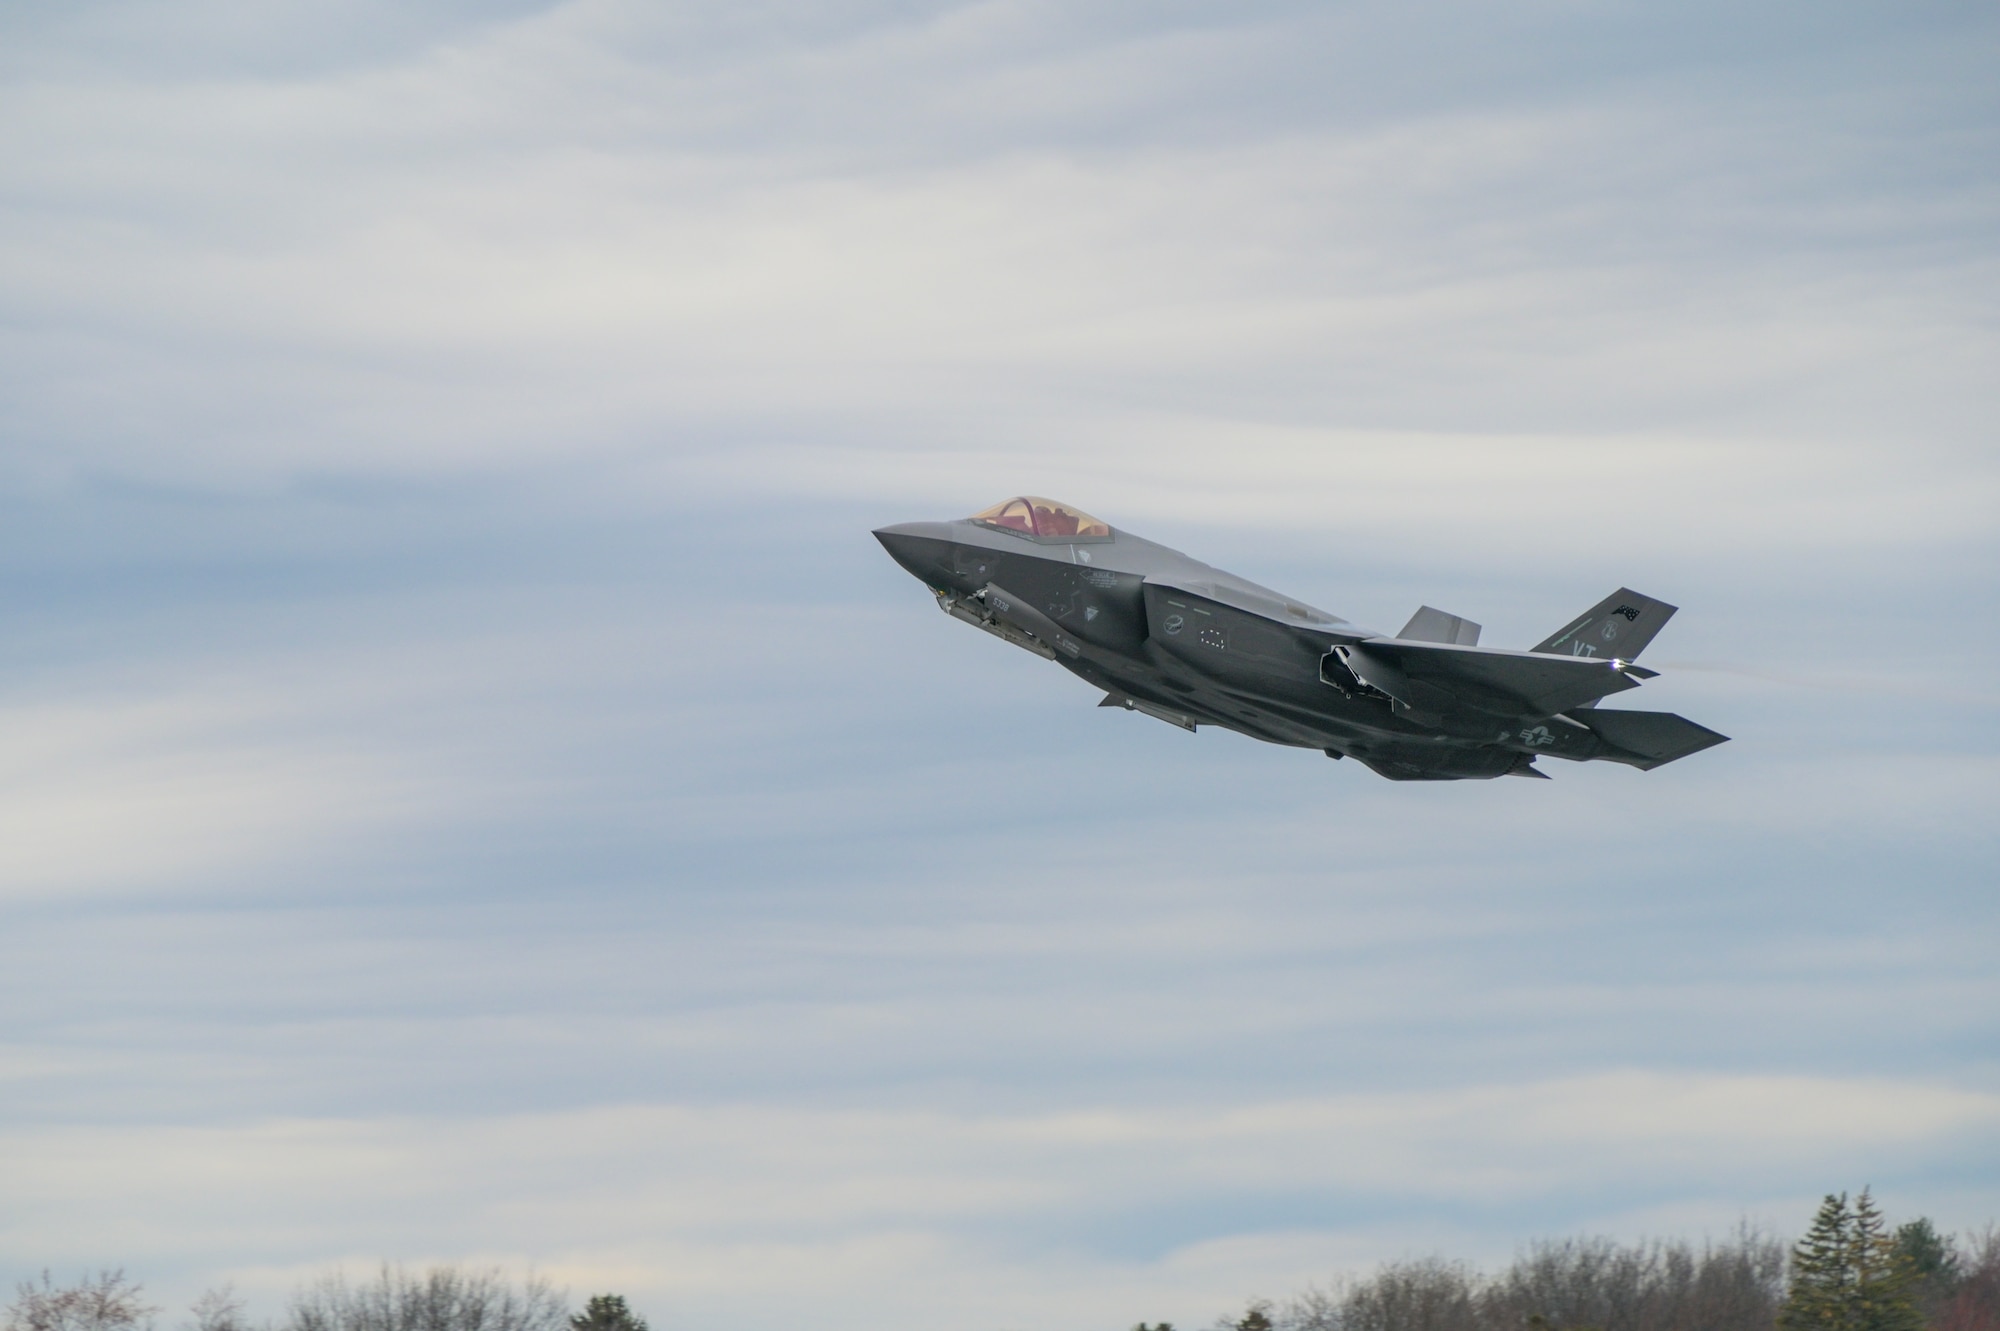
<point x="471" y="789"/>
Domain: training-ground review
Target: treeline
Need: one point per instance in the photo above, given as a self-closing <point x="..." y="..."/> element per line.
<point x="443" y="1298"/>
<point x="1851" y="1272"/>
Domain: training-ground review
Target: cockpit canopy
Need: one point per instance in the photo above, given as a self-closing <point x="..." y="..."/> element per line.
<point x="1031" y="515"/>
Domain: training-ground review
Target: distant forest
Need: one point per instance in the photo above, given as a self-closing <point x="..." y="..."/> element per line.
<point x="1851" y="1272"/>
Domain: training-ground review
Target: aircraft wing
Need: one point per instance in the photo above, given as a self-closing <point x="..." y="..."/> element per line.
<point x="1487" y="679"/>
<point x="1209" y="623"/>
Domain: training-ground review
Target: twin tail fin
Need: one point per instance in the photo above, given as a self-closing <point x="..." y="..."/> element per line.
<point x="1618" y="626"/>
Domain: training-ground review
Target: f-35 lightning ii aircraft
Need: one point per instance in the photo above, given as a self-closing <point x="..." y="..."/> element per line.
<point x="1192" y="645"/>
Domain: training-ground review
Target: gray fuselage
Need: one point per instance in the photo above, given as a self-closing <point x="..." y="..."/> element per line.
<point x="1180" y="640"/>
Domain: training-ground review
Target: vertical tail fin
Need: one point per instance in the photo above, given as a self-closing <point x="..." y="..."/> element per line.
<point x="1620" y="625"/>
<point x="1430" y="624"/>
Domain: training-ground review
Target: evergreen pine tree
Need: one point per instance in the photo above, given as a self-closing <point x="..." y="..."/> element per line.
<point x="1933" y="1262"/>
<point x="1848" y="1273"/>
<point x="1885" y="1278"/>
<point x="1821" y="1264"/>
<point x="1256" y="1318"/>
<point x="607" y="1312"/>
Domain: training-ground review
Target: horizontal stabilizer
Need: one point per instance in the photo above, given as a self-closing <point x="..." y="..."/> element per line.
<point x="1650" y="738"/>
<point x="1619" y="626"/>
<point x="1430" y="624"/>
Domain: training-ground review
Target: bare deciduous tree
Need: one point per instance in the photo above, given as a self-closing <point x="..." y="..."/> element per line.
<point x="218" y="1310"/>
<point x="1427" y="1295"/>
<point x="1975" y="1302"/>
<point x="1572" y="1285"/>
<point x="444" y="1298"/>
<point x="1734" y="1286"/>
<point x="106" y="1301"/>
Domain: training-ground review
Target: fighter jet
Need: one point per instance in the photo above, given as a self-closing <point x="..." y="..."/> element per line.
<point x="1168" y="636"/>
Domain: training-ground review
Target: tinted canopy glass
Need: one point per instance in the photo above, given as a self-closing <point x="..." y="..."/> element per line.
<point x="1032" y="515"/>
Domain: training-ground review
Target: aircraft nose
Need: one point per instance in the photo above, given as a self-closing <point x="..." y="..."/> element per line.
<point x="914" y="545"/>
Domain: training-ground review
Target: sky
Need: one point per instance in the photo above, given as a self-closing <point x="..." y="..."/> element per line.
<point x="473" y="791"/>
